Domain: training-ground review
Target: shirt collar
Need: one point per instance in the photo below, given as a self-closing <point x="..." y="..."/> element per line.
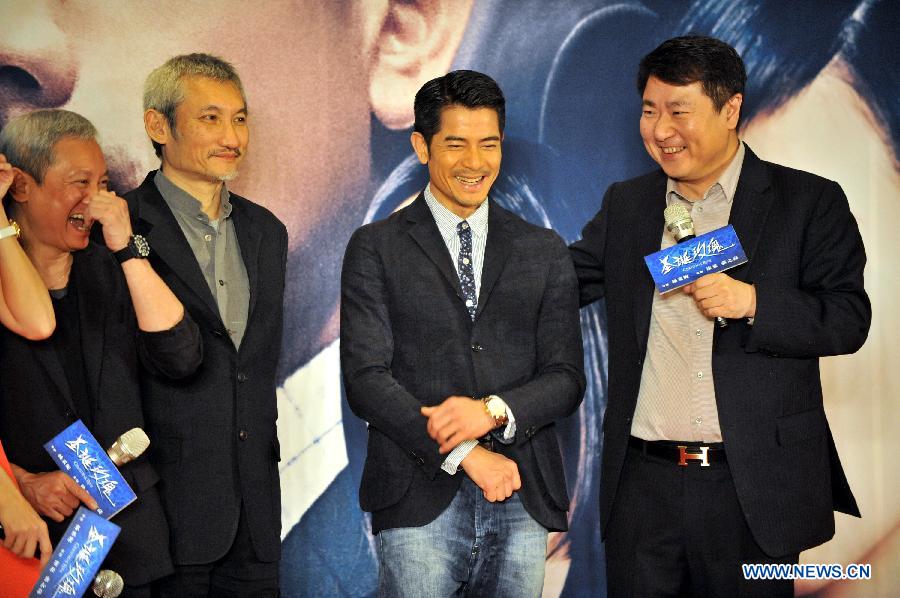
<point x="447" y="220"/>
<point x="728" y="180"/>
<point x="183" y="202"/>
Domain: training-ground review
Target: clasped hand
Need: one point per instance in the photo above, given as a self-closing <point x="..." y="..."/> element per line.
<point x="457" y="419"/>
<point x="465" y="418"/>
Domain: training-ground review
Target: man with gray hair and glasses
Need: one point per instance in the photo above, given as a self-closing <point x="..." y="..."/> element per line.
<point x="214" y="434"/>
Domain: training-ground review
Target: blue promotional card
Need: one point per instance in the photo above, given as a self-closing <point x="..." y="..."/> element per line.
<point x="77" y="452"/>
<point x="681" y="264"/>
<point x="77" y="557"/>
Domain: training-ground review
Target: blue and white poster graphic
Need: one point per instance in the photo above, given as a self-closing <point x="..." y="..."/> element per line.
<point x="77" y="557"/>
<point x="681" y="264"/>
<point x="77" y="452"/>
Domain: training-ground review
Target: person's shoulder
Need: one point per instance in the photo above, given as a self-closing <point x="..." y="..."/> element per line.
<point x="785" y="179"/>
<point x="146" y="186"/>
<point x="259" y="214"/>
<point x="524" y="231"/>
<point x="639" y="183"/>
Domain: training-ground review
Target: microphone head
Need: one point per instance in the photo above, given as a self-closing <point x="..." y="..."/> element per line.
<point x="129" y="446"/>
<point x="679" y="222"/>
<point x="108" y="584"/>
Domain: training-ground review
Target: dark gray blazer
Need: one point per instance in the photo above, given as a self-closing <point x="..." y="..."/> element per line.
<point x="806" y="262"/>
<point x="407" y="341"/>
<point x="36" y="402"/>
<point x="213" y="434"/>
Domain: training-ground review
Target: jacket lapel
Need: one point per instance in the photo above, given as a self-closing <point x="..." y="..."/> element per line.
<point x="249" y="239"/>
<point x="750" y="209"/>
<point x="499" y="244"/>
<point x="648" y="211"/>
<point x="45" y="354"/>
<point x="154" y="220"/>
<point x="425" y="233"/>
<point x="89" y="277"/>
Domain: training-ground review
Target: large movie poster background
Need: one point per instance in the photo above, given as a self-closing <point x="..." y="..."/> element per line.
<point x="330" y="87"/>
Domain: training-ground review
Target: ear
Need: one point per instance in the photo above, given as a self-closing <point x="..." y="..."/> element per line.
<point x="23" y="185"/>
<point x="157" y="126"/>
<point x="732" y="110"/>
<point x="420" y="147"/>
<point x="417" y="42"/>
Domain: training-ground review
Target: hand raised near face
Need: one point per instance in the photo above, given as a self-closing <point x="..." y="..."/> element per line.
<point x="457" y="419"/>
<point x="111" y="211"/>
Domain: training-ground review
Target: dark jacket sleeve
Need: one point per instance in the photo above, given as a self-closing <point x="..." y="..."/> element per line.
<point x="588" y="254"/>
<point x="558" y="385"/>
<point x="174" y="353"/>
<point x="825" y="311"/>
<point x="367" y="347"/>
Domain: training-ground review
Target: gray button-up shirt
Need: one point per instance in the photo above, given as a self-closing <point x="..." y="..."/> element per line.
<point x="677" y="399"/>
<point x="215" y="246"/>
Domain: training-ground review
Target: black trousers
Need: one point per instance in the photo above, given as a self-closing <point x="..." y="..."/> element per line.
<point x="238" y="574"/>
<point x="680" y="531"/>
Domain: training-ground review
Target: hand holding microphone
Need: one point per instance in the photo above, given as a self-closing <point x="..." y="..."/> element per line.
<point x="717" y="295"/>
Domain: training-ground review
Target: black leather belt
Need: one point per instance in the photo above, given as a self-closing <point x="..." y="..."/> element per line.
<point x="681" y="453"/>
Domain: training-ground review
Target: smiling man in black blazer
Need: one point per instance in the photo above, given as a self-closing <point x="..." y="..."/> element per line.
<point x="716" y="450"/>
<point x="213" y="434"/>
<point x="460" y="346"/>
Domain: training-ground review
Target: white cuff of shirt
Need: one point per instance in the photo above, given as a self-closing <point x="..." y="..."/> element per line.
<point x="509" y="432"/>
<point x="462" y="450"/>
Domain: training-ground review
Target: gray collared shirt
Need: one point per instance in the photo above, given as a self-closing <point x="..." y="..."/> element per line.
<point x="677" y="399"/>
<point x="446" y="223"/>
<point x="216" y="249"/>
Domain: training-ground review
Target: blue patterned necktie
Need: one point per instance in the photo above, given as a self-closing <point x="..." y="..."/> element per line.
<point x="464" y="266"/>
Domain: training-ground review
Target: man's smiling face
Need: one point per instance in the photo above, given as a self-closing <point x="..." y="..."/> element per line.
<point x="686" y="135"/>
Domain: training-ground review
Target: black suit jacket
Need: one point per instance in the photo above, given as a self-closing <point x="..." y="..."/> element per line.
<point x="36" y="402"/>
<point x="806" y="263"/>
<point x="407" y="340"/>
<point x="214" y="438"/>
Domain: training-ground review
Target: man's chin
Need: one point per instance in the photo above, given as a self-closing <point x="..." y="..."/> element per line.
<point x="227" y="177"/>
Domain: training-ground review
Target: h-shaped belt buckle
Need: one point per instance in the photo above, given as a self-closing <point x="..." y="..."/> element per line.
<point x="684" y="456"/>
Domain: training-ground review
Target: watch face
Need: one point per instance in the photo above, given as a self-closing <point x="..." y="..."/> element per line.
<point x="141" y="246"/>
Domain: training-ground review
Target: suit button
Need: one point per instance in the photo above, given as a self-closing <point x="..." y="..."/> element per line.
<point x="477" y="347"/>
<point x="242" y="377"/>
<point x="242" y="435"/>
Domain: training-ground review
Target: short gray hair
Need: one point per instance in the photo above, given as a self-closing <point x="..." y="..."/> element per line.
<point x="28" y="140"/>
<point x="164" y="89"/>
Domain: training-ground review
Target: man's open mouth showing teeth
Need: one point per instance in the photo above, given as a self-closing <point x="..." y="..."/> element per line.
<point x="470" y="181"/>
<point x="672" y="150"/>
<point x="77" y="221"/>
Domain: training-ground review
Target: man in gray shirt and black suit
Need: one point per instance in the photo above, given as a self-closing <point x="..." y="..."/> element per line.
<point x="214" y="437"/>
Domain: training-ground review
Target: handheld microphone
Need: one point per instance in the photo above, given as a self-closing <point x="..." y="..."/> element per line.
<point x="108" y="584"/>
<point x="128" y="447"/>
<point x="681" y="225"/>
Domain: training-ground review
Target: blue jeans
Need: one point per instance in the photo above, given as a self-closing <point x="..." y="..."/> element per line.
<point x="473" y="548"/>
